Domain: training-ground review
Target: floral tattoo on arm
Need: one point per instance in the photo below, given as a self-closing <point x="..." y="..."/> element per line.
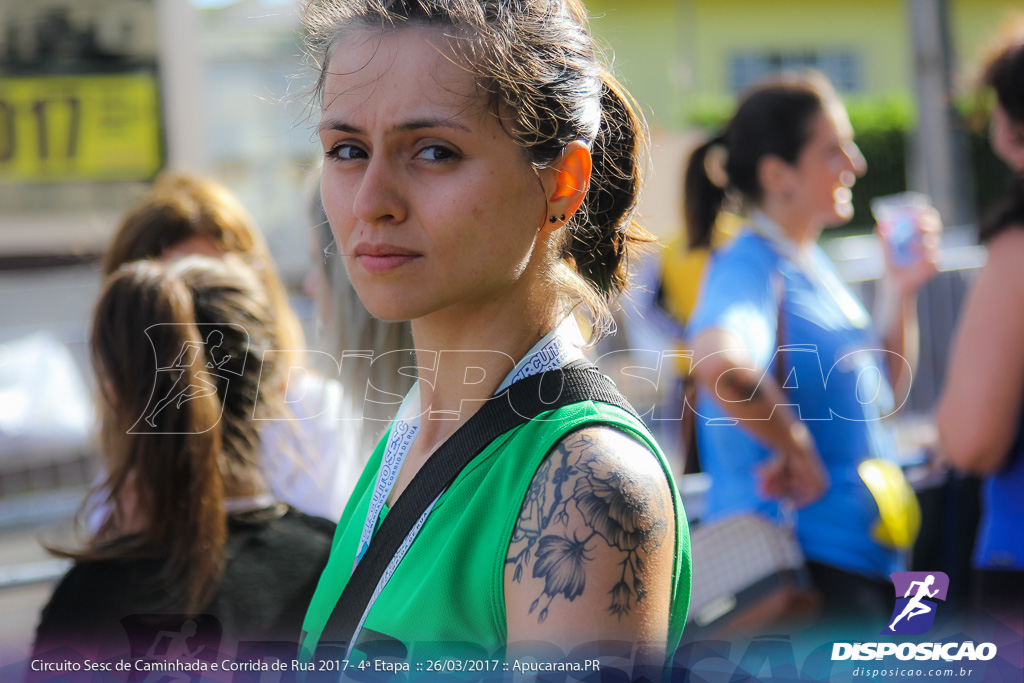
<point x="626" y="512"/>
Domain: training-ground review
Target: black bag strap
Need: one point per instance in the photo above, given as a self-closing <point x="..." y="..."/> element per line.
<point x="521" y="402"/>
<point x="780" y="337"/>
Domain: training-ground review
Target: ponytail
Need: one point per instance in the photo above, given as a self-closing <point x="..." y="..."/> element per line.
<point x="187" y="485"/>
<point x="702" y="197"/>
<point x="600" y="248"/>
<point x="163" y="466"/>
<point x="594" y="264"/>
<point x="172" y="463"/>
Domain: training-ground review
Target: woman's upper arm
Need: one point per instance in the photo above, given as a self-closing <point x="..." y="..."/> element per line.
<point x="740" y="295"/>
<point x="593" y="551"/>
<point x="979" y="412"/>
<point x="717" y="351"/>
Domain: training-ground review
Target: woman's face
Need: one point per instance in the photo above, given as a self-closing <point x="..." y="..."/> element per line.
<point x="827" y="167"/>
<point x="432" y="205"/>
<point x="1007" y="139"/>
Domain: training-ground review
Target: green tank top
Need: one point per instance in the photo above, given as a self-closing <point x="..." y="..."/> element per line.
<point x="447" y="596"/>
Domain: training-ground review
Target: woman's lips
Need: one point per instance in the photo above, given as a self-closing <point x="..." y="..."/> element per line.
<point x="380" y="258"/>
<point x="383" y="262"/>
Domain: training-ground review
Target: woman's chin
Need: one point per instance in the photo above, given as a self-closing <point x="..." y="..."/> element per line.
<point x="842" y="213"/>
<point x="388" y="309"/>
<point x="390" y="314"/>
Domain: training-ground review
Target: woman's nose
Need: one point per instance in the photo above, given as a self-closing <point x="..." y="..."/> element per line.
<point x="378" y="198"/>
<point x="858" y="164"/>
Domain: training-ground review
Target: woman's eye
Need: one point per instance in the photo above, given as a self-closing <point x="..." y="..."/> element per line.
<point x="436" y="153"/>
<point x="346" y="152"/>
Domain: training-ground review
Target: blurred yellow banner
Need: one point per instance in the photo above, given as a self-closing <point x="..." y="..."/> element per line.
<point x="89" y="127"/>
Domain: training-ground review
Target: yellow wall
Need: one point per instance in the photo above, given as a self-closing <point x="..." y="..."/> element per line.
<point x="641" y="37"/>
<point x="876" y="29"/>
<point x="671" y="53"/>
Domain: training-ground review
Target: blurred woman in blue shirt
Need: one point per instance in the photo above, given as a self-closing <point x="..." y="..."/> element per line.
<point x="772" y="306"/>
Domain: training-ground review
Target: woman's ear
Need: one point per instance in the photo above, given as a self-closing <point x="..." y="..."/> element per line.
<point x="775" y="177"/>
<point x="1017" y="137"/>
<point x="108" y="391"/>
<point x="570" y="174"/>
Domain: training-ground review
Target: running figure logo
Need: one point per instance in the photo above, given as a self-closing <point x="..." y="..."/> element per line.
<point x="205" y="376"/>
<point x="172" y="646"/>
<point x="915" y="610"/>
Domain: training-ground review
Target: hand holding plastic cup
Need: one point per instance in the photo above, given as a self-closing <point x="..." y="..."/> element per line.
<point x="901" y="224"/>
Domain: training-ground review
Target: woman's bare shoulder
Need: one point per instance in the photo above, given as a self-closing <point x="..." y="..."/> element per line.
<point x="592" y="553"/>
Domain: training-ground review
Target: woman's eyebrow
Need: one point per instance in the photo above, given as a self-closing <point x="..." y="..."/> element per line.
<point x="417" y="124"/>
<point x="414" y="124"/>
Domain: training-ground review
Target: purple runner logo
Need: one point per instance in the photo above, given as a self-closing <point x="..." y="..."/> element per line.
<point x="916" y="596"/>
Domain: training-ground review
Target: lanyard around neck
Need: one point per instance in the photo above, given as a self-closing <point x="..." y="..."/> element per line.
<point x="557" y="348"/>
<point x="808" y="261"/>
<point x="767" y="228"/>
<point x="554" y="350"/>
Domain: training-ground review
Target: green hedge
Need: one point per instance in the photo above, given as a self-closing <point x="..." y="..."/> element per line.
<point x="880" y="131"/>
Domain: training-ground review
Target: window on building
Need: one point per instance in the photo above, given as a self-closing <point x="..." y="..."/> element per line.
<point x="843" y="67"/>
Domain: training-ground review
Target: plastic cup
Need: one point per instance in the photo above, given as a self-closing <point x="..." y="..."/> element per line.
<point x="899" y="219"/>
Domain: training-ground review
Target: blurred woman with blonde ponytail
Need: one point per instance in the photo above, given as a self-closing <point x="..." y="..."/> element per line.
<point x="192" y="525"/>
<point x="312" y="447"/>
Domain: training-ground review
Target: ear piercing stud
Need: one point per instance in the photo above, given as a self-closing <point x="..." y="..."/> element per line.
<point x="552" y="219"/>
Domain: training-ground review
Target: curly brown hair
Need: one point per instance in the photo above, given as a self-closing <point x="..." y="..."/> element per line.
<point x="179" y="207"/>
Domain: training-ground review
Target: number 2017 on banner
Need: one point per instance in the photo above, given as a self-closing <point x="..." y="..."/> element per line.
<point x="42" y="114"/>
<point x="83" y="127"/>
